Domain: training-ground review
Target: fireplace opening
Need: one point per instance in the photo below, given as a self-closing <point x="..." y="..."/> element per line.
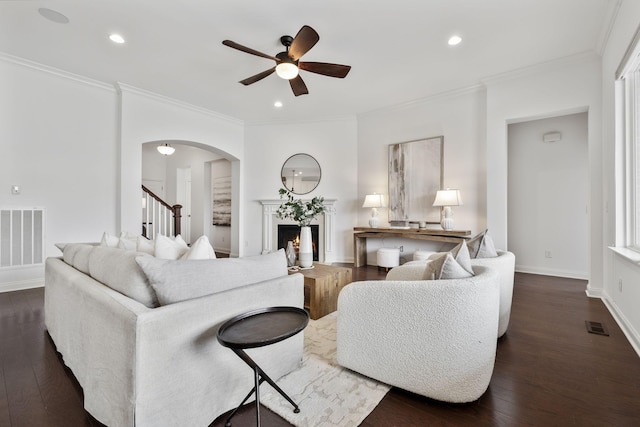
<point x="287" y="232"/>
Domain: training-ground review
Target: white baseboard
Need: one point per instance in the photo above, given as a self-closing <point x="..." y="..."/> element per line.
<point x="627" y="328"/>
<point x="552" y="272"/>
<point x="24" y="284"/>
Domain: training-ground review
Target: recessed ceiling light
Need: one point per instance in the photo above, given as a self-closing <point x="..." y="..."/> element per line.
<point x="277" y="104"/>
<point x="116" y="38"/>
<point x="53" y="16"/>
<point x="454" y="40"/>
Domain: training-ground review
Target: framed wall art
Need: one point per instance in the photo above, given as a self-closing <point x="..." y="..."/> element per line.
<point x="222" y="201"/>
<point x="415" y="175"/>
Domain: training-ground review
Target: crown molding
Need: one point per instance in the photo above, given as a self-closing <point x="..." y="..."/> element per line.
<point x="125" y="88"/>
<point x="541" y="67"/>
<point x="437" y="97"/>
<point x="55" y="71"/>
<point x="320" y="119"/>
<point x="608" y="21"/>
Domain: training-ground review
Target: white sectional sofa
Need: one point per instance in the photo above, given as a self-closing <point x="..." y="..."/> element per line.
<point x="144" y="364"/>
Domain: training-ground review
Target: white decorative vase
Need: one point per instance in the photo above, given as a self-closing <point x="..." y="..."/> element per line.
<point x="305" y="251"/>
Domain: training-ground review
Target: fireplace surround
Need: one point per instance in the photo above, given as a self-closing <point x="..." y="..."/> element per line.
<point x="326" y="229"/>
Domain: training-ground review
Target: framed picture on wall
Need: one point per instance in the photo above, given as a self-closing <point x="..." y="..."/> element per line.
<point x="221" y="201"/>
<point x="415" y="175"/>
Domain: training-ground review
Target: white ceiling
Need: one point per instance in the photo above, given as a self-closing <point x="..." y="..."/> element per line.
<point x="397" y="49"/>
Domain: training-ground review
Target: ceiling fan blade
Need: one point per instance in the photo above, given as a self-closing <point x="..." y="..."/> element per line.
<point x="257" y="77"/>
<point x="331" y="70"/>
<point x="245" y="49"/>
<point x="298" y="87"/>
<point x="306" y="38"/>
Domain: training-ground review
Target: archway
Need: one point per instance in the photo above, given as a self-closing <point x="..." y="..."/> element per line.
<point x="202" y="164"/>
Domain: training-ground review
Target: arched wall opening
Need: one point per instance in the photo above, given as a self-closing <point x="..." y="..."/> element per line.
<point x="199" y="178"/>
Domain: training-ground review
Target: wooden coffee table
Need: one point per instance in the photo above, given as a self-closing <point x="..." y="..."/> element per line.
<point x="322" y="284"/>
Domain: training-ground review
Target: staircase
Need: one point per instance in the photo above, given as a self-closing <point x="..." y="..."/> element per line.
<point x="158" y="217"/>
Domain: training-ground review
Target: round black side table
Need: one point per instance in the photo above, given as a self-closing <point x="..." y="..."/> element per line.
<point x="258" y="328"/>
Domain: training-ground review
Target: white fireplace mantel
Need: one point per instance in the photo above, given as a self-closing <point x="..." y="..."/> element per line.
<point x="269" y="244"/>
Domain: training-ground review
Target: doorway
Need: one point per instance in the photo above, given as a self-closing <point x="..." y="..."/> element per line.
<point x="548" y="195"/>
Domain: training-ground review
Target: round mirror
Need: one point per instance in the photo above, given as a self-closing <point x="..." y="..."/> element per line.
<point x="300" y="174"/>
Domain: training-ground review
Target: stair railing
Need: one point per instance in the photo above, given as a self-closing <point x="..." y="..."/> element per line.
<point x="158" y="217"/>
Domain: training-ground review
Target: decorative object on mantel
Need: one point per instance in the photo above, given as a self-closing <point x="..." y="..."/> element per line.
<point x="302" y="213"/>
<point x="166" y="149"/>
<point x="446" y="199"/>
<point x="374" y="201"/>
<point x="291" y="254"/>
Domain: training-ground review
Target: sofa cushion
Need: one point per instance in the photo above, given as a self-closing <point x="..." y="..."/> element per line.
<point x="481" y="246"/>
<point x="445" y="267"/>
<point x="179" y="280"/>
<point x="117" y="269"/>
<point x="77" y="256"/>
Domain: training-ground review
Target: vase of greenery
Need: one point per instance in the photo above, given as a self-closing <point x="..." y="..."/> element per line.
<point x="302" y="212"/>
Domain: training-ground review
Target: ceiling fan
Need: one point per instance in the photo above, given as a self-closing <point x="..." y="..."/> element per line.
<point x="288" y="62"/>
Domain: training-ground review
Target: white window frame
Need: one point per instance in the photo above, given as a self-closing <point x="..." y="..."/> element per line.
<point x="628" y="106"/>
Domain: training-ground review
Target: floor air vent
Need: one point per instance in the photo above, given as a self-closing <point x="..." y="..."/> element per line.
<point x="596" y="328"/>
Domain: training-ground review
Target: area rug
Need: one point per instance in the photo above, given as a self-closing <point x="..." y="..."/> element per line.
<point x="327" y="394"/>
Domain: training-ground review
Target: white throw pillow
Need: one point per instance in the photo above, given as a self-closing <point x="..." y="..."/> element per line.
<point x="460" y="253"/>
<point x="200" y="249"/>
<point x="109" y="240"/>
<point x="481" y="246"/>
<point x="170" y="248"/>
<point x="145" y="245"/>
<point x="445" y="267"/>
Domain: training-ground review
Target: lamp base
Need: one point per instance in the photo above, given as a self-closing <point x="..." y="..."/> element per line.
<point x="447" y="224"/>
<point x="447" y="218"/>
<point x="374" y="222"/>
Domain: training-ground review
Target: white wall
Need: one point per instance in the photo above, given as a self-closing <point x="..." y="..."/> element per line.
<point x="562" y="87"/>
<point x="548" y="196"/>
<point x="621" y="287"/>
<point x="58" y="141"/>
<point x="147" y="117"/>
<point x="459" y="117"/>
<point x="332" y="143"/>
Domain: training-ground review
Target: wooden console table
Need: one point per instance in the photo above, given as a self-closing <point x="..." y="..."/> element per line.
<point x="361" y="234"/>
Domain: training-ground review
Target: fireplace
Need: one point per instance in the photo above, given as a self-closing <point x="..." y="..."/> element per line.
<point x="289" y="232"/>
<point x="325" y="238"/>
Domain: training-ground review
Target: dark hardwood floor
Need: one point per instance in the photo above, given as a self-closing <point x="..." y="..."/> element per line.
<point x="549" y="371"/>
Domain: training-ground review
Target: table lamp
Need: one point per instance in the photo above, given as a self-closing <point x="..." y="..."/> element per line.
<point x="374" y="201"/>
<point x="446" y="199"/>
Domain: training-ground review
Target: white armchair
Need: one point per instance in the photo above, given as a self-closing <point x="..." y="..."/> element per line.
<point x="434" y="338"/>
<point x="504" y="263"/>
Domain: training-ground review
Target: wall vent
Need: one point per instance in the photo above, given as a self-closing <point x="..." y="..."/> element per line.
<point x="21" y="237"/>
<point x="596" y="328"/>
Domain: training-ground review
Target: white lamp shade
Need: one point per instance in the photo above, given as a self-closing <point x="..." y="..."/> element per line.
<point x="374" y="201"/>
<point x="448" y="198"/>
<point x="166" y="149"/>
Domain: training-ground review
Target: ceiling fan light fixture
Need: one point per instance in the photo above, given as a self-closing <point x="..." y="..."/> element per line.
<point x="166" y="150"/>
<point x="287" y="70"/>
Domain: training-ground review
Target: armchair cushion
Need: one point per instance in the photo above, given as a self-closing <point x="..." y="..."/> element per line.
<point x="481" y="246"/>
<point x="445" y="267"/>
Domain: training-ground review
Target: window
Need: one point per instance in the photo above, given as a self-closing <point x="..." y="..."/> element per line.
<point x="628" y="105"/>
